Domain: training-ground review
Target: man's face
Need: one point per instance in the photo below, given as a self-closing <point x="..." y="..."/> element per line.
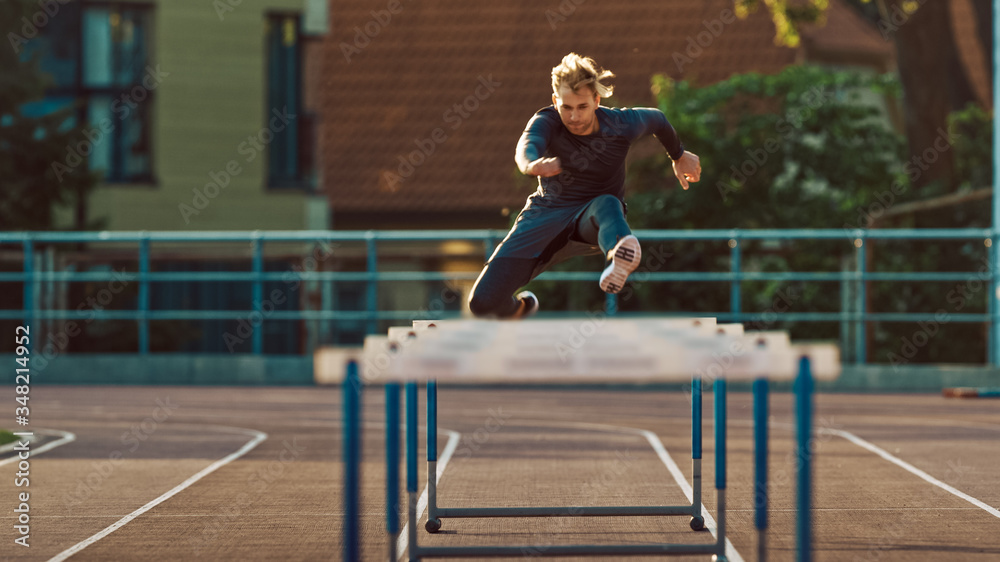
<point x="577" y="109"/>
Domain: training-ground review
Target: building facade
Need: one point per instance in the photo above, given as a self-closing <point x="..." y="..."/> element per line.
<point x="198" y="113"/>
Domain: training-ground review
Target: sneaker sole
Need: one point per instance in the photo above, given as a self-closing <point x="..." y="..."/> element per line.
<point x="624" y="261"/>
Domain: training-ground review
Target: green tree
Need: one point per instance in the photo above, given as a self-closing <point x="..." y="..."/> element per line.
<point x="935" y="82"/>
<point x="787" y="17"/>
<point x="805" y="148"/>
<point x="31" y="146"/>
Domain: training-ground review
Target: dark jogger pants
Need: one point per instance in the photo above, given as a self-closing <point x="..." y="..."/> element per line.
<point x="602" y="223"/>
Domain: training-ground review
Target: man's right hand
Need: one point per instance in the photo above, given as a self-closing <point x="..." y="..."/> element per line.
<point x="544" y="167"/>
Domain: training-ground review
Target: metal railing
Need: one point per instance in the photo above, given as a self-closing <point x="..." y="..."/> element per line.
<point x="857" y="318"/>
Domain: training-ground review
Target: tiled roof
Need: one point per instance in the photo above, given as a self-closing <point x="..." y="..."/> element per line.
<point x="390" y="97"/>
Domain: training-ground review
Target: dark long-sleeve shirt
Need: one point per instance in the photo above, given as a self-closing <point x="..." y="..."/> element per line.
<point x="592" y="164"/>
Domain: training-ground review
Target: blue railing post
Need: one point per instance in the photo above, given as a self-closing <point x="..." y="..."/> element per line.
<point x="993" y="301"/>
<point x="736" y="269"/>
<point x="371" y="299"/>
<point x="29" y="287"/>
<point x="994" y="343"/>
<point x="860" y="306"/>
<point x="144" y="294"/>
<point x="846" y="304"/>
<point x="257" y="300"/>
<point x="610" y="304"/>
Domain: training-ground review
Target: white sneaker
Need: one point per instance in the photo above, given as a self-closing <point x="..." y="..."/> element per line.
<point x="624" y="260"/>
<point x="529" y="304"/>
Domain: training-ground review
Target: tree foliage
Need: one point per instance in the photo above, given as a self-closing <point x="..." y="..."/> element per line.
<point x="786" y="17"/>
<point x="934" y="78"/>
<point x="806" y="139"/>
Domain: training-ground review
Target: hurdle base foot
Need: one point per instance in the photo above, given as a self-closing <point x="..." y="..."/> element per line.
<point x="697" y="523"/>
<point x="433" y="525"/>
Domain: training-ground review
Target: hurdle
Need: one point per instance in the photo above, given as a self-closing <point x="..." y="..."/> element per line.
<point x="451" y="352"/>
<point x="401" y="335"/>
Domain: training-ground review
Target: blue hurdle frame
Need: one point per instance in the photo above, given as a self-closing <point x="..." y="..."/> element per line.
<point x="435" y="513"/>
<point x="352" y="461"/>
<point x="803" y="389"/>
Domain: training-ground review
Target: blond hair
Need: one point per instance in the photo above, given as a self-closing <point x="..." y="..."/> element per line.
<point x="576" y="71"/>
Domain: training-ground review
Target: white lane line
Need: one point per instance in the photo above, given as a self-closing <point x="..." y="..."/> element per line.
<point x="900" y="463"/>
<point x="449" y="449"/>
<point x="66" y="437"/>
<point x="258" y="437"/>
<point x="675" y="470"/>
<point x="910" y="468"/>
<point x="857" y="509"/>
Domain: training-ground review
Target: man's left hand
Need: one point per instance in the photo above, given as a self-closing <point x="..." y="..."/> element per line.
<point x="687" y="168"/>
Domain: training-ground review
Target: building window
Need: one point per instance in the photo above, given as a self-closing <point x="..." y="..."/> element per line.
<point x="99" y="58"/>
<point x="290" y="150"/>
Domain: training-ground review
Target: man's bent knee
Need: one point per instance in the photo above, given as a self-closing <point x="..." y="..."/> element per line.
<point x="480" y="305"/>
<point x="609" y="202"/>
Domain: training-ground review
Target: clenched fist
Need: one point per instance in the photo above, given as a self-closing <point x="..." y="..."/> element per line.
<point x="687" y="168"/>
<point x="544" y="167"/>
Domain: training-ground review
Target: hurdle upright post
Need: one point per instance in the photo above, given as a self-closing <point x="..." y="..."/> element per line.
<point x="433" y="524"/>
<point x="392" y="466"/>
<point x="411" y="466"/>
<point x="697" y="517"/>
<point x="719" y="391"/>
<point x="352" y="461"/>
<point x="760" y="390"/>
<point x="803" y="427"/>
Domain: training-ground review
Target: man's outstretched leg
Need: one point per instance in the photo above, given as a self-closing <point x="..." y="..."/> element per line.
<point x="603" y="223"/>
<point x="492" y="295"/>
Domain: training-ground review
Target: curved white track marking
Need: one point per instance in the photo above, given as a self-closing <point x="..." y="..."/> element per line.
<point x="66" y="437"/>
<point x="449" y="449"/>
<point x="258" y="437"/>
<point x="902" y="464"/>
<point x="661" y="452"/>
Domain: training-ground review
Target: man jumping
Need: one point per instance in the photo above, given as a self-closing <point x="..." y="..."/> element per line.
<point x="577" y="149"/>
